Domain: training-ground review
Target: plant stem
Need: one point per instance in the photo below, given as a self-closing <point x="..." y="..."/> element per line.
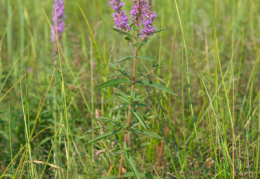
<point x="130" y="108"/>
<point x="233" y="132"/>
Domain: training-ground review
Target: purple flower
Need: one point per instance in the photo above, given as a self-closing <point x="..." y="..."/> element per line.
<point x="120" y="17"/>
<point x="138" y="10"/>
<point x="29" y="70"/>
<point x="148" y="18"/>
<point x="58" y="14"/>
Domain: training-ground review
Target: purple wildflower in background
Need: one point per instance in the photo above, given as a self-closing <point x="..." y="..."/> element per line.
<point x="138" y="10"/>
<point x="58" y="14"/>
<point x="148" y="19"/>
<point x="120" y="17"/>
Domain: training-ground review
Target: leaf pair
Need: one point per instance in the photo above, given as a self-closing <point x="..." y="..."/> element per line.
<point x="145" y="83"/>
<point x="109" y="134"/>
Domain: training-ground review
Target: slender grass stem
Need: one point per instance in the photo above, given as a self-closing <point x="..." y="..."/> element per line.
<point x="10" y="138"/>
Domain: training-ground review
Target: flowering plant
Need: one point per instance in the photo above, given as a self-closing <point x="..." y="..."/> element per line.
<point x="58" y="14"/>
<point x="128" y="86"/>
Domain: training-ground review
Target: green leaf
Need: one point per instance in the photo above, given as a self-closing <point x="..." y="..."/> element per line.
<point x="124" y="59"/>
<point x="151" y="117"/>
<point x="109" y="177"/>
<point x="156" y="85"/>
<point x="123" y="97"/>
<point x="159" y="30"/>
<point x="105" y="135"/>
<point x="110" y="99"/>
<point x="139" y="117"/>
<point x="45" y="140"/>
<point x="105" y="160"/>
<point x="149" y="134"/>
<point x="140" y="104"/>
<point x="131" y="163"/>
<point x="131" y="174"/>
<point x="124" y="100"/>
<point x="138" y="99"/>
<point x="137" y="45"/>
<point x="113" y="82"/>
<point x="158" y="78"/>
<point x="123" y="106"/>
<point x="147" y="58"/>
<point x="113" y="74"/>
<point x="128" y="39"/>
<point x="112" y="65"/>
<point x="143" y="175"/>
<point x="122" y="32"/>
<point x="135" y="93"/>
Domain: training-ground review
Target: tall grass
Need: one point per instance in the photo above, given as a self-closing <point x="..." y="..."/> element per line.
<point x="210" y="53"/>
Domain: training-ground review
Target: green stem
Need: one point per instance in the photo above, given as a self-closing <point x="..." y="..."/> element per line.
<point x="130" y="107"/>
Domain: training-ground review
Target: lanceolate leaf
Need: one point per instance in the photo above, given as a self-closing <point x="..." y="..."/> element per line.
<point x="124" y="100"/>
<point x="147" y="58"/>
<point x="140" y="104"/>
<point x="113" y="74"/>
<point x="139" y="117"/>
<point x="128" y="39"/>
<point x="159" y="30"/>
<point x="131" y="174"/>
<point x="124" y="59"/>
<point x="105" y="135"/>
<point x="143" y="175"/>
<point x="131" y="164"/>
<point x="113" y="82"/>
<point x="158" y="78"/>
<point x="110" y="99"/>
<point x="123" y="106"/>
<point x="124" y="33"/>
<point x="123" y="95"/>
<point x="156" y="85"/>
<point x="112" y="65"/>
<point x="110" y="177"/>
<point x="149" y="134"/>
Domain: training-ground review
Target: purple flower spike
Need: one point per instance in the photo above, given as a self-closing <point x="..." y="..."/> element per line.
<point x="148" y="19"/>
<point x="120" y="17"/>
<point x="138" y="10"/>
<point x="58" y="14"/>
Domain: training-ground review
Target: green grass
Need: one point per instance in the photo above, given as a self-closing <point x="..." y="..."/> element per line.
<point x="210" y="52"/>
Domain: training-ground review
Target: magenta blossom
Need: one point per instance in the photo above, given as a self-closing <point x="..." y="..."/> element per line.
<point x="138" y="10"/>
<point x="58" y="15"/>
<point x="148" y="18"/>
<point x="120" y="17"/>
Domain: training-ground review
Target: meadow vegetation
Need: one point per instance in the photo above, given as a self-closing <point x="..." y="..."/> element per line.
<point x="51" y="112"/>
